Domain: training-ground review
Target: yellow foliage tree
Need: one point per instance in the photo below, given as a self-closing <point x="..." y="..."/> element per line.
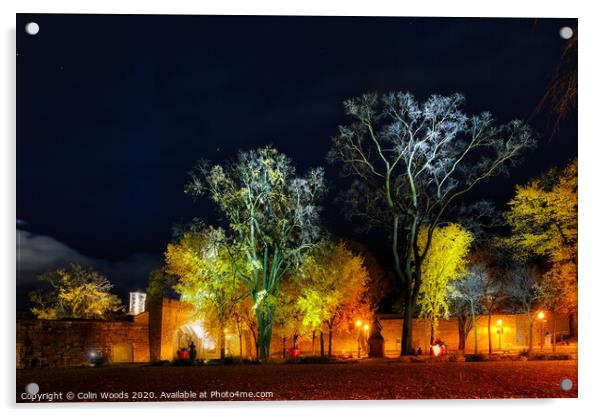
<point x="76" y="292"/>
<point x="446" y="261"/>
<point x="334" y="290"/>
<point x="206" y="277"/>
<point x="543" y="217"/>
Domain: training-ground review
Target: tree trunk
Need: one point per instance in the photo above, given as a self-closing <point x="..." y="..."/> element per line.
<point x="554" y="333"/>
<point x="572" y="325"/>
<point x="222" y="344"/>
<point x="256" y="343"/>
<point x="406" y="331"/>
<point x="462" y="333"/>
<point x="329" y="340"/>
<point x="530" y="333"/>
<point x="240" y="342"/>
<point x="474" y="325"/>
<point x="321" y="343"/>
<point x="426" y="337"/>
<point x="284" y="348"/>
<point x="432" y="322"/>
<point x="313" y="343"/>
<point x="489" y="330"/>
<point x="264" y="330"/>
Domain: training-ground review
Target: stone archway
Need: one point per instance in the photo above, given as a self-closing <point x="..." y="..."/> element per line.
<point x="172" y="325"/>
<point x="197" y="333"/>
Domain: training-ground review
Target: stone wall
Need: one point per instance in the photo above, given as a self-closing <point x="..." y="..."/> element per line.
<point x="59" y="343"/>
<point x="166" y="316"/>
<point x="514" y="336"/>
<point x="155" y="335"/>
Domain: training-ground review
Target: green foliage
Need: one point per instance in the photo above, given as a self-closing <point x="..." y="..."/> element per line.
<point x="160" y="284"/>
<point x="543" y="217"/>
<point x="445" y="262"/>
<point x="272" y="216"/>
<point x="76" y="292"/>
<point x="334" y="288"/>
<point x="206" y="273"/>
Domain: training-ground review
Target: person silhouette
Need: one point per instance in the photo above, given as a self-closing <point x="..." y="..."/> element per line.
<point x="192" y="351"/>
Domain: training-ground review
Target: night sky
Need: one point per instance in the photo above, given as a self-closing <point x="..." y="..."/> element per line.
<point x="113" y="111"/>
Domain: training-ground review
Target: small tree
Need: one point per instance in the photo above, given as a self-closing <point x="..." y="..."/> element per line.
<point x="334" y="289"/>
<point x="524" y="291"/>
<point x="469" y="290"/>
<point x="555" y="294"/>
<point x="76" y="292"/>
<point x="287" y="314"/>
<point x="272" y="215"/>
<point x="445" y="262"/>
<point x="461" y="310"/>
<point x="207" y="277"/>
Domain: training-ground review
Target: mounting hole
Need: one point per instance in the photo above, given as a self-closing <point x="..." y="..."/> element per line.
<point x="566" y="384"/>
<point x="566" y="32"/>
<point x="32" y="388"/>
<point x="32" y="28"/>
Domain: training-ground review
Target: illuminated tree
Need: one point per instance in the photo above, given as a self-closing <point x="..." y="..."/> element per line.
<point x="244" y="317"/>
<point x="272" y="215"/>
<point x="334" y="289"/>
<point x="76" y="292"/>
<point x="445" y="262"/>
<point x="553" y="297"/>
<point x="524" y="290"/>
<point x="160" y="284"/>
<point x="206" y="277"/>
<point x="410" y="161"/>
<point x="460" y="309"/>
<point x="543" y="217"/>
<point x="288" y="314"/>
<point x="467" y="293"/>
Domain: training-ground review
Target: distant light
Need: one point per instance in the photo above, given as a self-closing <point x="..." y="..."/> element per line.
<point x="358" y="323"/>
<point x="32" y="28"/>
<point x="499" y="322"/>
<point x="566" y="32"/>
<point x="540" y="315"/>
<point x="436" y="350"/>
<point x="366" y="327"/>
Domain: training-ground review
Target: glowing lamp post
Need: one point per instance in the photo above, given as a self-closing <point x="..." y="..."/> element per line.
<point x="541" y="317"/>
<point x="500" y="331"/>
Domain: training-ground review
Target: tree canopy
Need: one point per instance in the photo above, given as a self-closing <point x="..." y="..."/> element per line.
<point x="272" y="216"/>
<point x="444" y="263"/>
<point x="206" y="276"/>
<point x="75" y="292"/>
<point x="335" y="286"/>
<point x="543" y="217"/>
<point x="409" y="161"/>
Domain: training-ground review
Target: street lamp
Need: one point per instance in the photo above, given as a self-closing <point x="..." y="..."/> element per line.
<point x="541" y="317"/>
<point x="500" y="331"/>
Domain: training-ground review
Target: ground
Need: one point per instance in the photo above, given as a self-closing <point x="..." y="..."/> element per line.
<point x="348" y="381"/>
